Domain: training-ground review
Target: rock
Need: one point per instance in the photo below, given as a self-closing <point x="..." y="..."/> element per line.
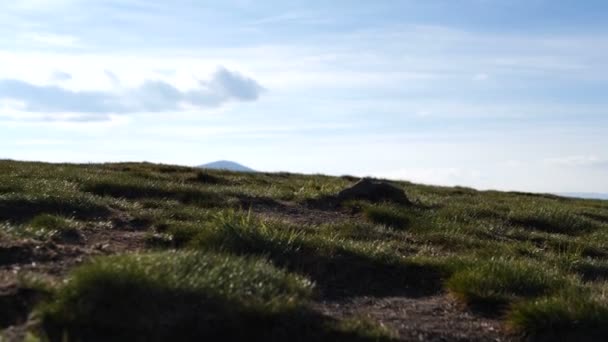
<point x="374" y="191"/>
<point x="69" y="235"/>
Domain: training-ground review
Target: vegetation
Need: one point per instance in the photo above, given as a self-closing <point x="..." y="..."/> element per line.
<point x="393" y="217"/>
<point x="570" y="314"/>
<point x="247" y="255"/>
<point x="166" y="295"/>
<point x="502" y="281"/>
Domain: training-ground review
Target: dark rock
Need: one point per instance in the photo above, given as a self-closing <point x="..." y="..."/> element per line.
<point x="70" y="236"/>
<point x="374" y="191"/>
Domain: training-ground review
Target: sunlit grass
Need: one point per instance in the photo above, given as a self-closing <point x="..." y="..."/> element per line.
<point x="539" y="258"/>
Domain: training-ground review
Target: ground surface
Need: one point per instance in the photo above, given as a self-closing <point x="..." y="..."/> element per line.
<point x="416" y="272"/>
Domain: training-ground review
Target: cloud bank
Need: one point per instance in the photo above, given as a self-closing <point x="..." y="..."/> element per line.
<point x="151" y="96"/>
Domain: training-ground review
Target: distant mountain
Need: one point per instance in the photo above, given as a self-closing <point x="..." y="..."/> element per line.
<point x="226" y="165"/>
<point x="586" y="195"/>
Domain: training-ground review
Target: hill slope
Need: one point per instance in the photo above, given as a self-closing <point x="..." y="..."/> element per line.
<point x="160" y="252"/>
<point x="226" y="165"/>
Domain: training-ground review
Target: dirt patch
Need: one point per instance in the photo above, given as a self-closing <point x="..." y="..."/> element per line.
<point x="348" y="275"/>
<point x="53" y="260"/>
<point x="26" y="251"/>
<point x="297" y="214"/>
<point x="434" y="318"/>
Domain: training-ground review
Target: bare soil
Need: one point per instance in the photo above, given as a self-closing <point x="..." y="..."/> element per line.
<point x="432" y="318"/>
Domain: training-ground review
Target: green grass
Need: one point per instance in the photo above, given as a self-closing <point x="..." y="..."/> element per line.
<point x="540" y="259"/>
<point x="495" y="283"/>
<point x="185" y="296"/>
<point x="23" y="207"/>
<point x="571" y="315"/>
<point x="206" y="178"/>
<point x="552" y="219"/>
<point x="392" y="217"/>
<point x="332" y="261"/>
<point x="56" y="227"/>
<point x="50" y="222"/>
<point x="45" y="227"/>
<point x="137" y="190"/>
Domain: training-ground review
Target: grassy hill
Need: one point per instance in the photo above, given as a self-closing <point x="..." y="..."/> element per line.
<point x="151" y="252"/>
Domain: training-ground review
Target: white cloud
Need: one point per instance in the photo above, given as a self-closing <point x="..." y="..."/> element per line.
<point x="150" y="96"/>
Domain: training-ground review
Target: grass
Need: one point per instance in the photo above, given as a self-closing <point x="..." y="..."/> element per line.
<point x="45" y="227"/>
<point x="390" y="216"/>
<point x="573" y="315"/>
<point x="50" y="222"/>
<point x="185" y="296"/>
<point x="146" y="190"/>
<point x="23" y="207"/>
<point x="495" y="283"/>
<point x="332" y="255"/>
<point x="330" y="260"/>
<point x="56" y="227"/>
<point x="205" y="178"/>
<point x="539" y="260"/>
<point x="552" y="219"/>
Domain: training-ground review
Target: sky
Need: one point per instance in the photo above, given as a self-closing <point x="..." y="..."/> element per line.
<point x="491" y="94"/>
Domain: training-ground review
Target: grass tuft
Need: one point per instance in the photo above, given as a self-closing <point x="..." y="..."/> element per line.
<point x="190" y="296"/>
<point x="49" y="222"/>
<point x="20" y="208"/>
<point x="552" y="219"/>
<point x="392" y="217"/>
<point x="144" y="190"/>
<point x="171" y="295"/>
<point x="496" y="283"/>
<point x="339" y="266"/>
<point x="57" y="227"/>
<point x="569" y="316"/>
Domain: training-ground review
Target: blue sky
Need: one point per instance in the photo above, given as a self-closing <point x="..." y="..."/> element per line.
<point x="484" y="93"/>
